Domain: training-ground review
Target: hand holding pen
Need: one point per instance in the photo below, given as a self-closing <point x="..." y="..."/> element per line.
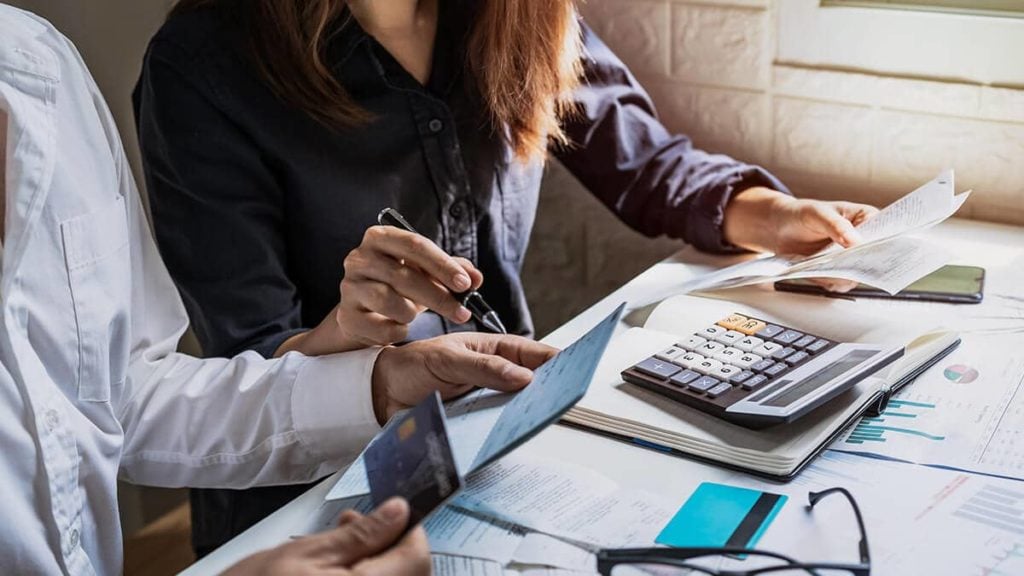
<point x="468" y="297"/>
<point x="390" y="278"/>
<point x="393" y="276"/>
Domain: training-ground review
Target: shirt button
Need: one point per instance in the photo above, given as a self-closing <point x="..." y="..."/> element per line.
<point x="73" y="539"/>
<point x="456" y="210"/>
<point x="52" y="419"/>
<point x="435" y="125"/>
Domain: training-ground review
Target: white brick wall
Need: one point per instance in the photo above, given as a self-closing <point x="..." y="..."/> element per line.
<point x="710" y="68"/>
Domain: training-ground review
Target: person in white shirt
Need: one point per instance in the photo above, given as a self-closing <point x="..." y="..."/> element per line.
<point x="91" y="387"/>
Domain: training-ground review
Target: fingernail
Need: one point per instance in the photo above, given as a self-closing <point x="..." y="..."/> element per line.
<point x="463" y="314"/>
<point x="392" y="510"/>
<point x="461" y="281"/>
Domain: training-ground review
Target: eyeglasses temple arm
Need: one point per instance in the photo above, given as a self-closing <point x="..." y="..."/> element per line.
<point x="814" y="497"/>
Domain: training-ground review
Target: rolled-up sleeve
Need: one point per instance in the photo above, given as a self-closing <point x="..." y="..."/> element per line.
<point x="655" y="181"/>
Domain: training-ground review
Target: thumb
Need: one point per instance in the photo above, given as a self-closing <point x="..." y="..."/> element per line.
<point x="839" y="229"/>
<point x="368" y="535"/>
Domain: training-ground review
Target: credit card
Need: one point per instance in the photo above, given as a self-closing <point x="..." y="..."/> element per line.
<point x="412" y="458"/>
<point x="719" y="515"/>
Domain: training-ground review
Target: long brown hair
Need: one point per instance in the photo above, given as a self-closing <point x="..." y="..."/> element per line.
<point x="522" y="55"/>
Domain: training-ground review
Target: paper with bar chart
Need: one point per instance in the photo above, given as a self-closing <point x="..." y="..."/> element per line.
<point x="967" y="412"/>
<point x="976" y="521"/>
<point x="928" y="522"/>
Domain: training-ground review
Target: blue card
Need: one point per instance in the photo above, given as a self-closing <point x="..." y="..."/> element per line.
<point x="412" y="458"/>
<point x="718" y="515"/>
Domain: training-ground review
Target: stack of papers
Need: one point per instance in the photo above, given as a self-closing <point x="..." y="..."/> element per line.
<point x="889" y="256"/>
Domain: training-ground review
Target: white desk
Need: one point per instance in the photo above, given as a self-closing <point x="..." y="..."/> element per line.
<point x="1000" y="249"/>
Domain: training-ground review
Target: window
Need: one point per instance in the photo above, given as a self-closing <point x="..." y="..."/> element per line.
<point x="978" y="7"/>
<point x="919" y="43"/>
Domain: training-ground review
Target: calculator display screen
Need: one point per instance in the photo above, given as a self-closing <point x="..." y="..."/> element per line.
<point x="820" y="378"/>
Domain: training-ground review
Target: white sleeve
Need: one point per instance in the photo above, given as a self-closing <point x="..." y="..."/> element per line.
<point x="230" y="423"/>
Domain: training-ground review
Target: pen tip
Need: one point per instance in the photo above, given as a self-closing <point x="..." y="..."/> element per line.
<point x="493" y="323"/>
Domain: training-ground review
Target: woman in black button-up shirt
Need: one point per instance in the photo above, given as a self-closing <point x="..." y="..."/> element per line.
<point x="274" y="131"/>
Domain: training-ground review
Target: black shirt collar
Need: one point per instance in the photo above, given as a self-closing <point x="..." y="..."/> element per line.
<point x="350" y="41"/>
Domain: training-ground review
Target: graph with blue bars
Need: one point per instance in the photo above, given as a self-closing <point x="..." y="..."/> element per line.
<point x="897" y="419"/>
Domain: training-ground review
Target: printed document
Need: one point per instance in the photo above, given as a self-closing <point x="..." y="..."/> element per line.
<point x="567" y="501"/>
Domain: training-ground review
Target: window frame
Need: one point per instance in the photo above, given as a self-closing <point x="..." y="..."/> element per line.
<point x="998" y="8"/>
<point x="908" y="43"/>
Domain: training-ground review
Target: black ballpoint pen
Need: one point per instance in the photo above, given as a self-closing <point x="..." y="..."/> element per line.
<point x="471" y="299"/>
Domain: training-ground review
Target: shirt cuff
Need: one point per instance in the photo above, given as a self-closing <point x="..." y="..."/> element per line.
<point x="707" y="216"/>
<point x="332" y="404"/>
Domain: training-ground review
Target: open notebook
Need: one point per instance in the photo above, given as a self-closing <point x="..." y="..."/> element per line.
<point x="626" y="411"/>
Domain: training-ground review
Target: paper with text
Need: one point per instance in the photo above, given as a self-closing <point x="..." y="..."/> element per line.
<point x="567" y="501"/>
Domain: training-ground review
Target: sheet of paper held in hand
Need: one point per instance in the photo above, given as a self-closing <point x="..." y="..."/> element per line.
<point x="485" y="425"/>
<point x="889" y="257"/>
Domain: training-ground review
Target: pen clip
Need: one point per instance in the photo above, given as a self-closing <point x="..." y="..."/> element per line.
<point x="391" y="217"/>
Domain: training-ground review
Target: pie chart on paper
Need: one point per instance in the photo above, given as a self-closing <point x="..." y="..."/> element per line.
<point x="960" y="374"/>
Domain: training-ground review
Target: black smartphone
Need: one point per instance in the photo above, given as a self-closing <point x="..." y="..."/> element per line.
<point x="951" y="284"/>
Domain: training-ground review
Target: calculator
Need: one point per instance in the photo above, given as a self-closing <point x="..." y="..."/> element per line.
<point x="755" y="373"/>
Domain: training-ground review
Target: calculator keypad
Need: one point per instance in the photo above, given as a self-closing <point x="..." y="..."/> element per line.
<point x="724" y="363"/>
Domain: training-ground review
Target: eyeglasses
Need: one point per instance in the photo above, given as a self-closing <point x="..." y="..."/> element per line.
<point x="674" y="561"/>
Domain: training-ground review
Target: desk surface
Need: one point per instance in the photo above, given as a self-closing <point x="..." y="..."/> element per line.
<point x="999" y="249"/>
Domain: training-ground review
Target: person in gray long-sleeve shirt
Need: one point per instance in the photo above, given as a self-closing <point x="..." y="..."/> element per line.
<point x="265" y="196"/>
